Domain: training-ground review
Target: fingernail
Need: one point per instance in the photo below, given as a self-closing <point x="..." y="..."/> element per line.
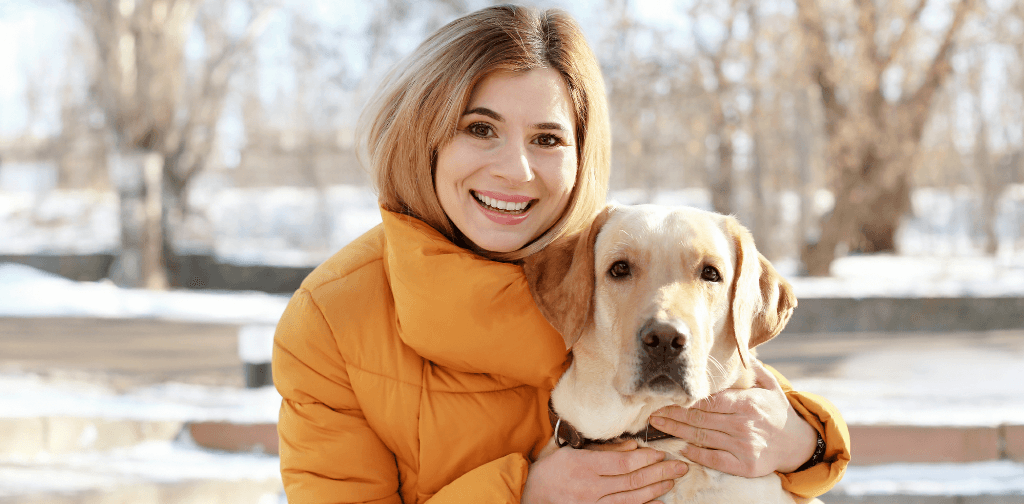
<point x="658" y="421"/>
<point x="681" y="468"/>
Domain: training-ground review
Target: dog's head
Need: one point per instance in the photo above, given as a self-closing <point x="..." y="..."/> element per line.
<point x="661" y="303"/>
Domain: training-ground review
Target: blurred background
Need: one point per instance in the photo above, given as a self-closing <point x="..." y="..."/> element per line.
<point x="170" y="170"/>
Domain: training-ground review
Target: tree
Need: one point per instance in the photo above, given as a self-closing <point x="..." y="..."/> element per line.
<point x="724" y="113"/>
<point x="161" y="110"/>
<point x="873" y="133"/>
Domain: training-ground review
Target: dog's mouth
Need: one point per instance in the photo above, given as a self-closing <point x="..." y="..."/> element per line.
<point x="664" y="380"/>
<point x="663" y="384"/>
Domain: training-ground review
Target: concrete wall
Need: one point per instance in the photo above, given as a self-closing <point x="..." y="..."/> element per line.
<point x="843" y="315"/>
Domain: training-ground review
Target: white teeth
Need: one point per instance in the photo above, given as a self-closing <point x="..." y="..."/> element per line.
<point x="507" y="206"/>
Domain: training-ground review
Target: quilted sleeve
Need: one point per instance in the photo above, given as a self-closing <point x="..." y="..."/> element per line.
<point x="825" y="418"/>
<point x="328" y="451"/>
<point x="498" y="482"/>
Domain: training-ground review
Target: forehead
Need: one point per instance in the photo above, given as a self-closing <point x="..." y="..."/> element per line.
<point x="655" y="227"/>
<point x="540" y="91"/>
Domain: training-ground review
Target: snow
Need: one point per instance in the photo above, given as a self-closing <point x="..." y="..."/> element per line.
<point x="978" y="478"/>
<point x="27" y="292"/>
<point x="32" y="396"/>
<point x="917" y="276"/>
<point x="156" y="462"/>
<point x="959" y="386"/>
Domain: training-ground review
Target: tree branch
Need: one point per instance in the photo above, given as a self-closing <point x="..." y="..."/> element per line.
<point x="939" y="68"/>
<point x="809" y="17"/>
<point x="897" y="46"/>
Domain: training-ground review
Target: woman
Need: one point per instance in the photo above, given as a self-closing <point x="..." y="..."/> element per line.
<point x="413" y="364"/>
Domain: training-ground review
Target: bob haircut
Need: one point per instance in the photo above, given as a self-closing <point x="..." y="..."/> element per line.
<point x="418" y="108"/>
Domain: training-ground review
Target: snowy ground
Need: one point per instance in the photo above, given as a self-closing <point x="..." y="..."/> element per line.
<point x="151" y="462"/>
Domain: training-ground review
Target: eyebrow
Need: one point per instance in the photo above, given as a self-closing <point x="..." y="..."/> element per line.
<point x="484" y="111"/>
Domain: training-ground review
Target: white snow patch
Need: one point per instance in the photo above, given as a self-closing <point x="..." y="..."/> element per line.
<point x="921" y="276"/>
<point x="928" y="387"/>
<point x="27" y="292"/>
<point x="155" y="462"/>
<point x="979" y="478"/>
<point x="31" y="396"/>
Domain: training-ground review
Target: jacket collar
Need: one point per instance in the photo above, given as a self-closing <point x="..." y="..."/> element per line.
<point x="465" y="312"/>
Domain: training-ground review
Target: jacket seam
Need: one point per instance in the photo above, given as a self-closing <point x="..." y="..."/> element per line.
<point x="454" y="392"/>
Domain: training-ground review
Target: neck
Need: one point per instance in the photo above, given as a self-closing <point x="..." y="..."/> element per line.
<point x="567" y="435"/>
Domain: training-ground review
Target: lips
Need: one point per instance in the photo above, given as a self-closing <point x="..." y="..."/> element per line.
<point x="510" y="205"/>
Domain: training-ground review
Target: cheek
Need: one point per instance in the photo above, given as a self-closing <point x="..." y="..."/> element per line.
<point x="559" y="175"/>
<point x="455" y="161"/>
<point x="453" y="166"/>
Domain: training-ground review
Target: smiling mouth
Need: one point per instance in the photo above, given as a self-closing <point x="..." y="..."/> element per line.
<point x="505" y="207"/>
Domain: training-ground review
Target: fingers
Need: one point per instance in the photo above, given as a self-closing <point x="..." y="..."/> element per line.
<point x="615" y="463"/>
<point x="644" y="484"/>
<point x="719" y="460"/>
<point x="696" y="416"/>
<point x="699" y="436"/>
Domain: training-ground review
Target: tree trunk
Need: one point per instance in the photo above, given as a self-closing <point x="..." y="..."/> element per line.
<point x="137" y="177"/>
<point x="877" y="231"/>
<point x="722" y="186"/>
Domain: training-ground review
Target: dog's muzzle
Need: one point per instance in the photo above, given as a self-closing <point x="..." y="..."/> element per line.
<point x="661" y="345"/>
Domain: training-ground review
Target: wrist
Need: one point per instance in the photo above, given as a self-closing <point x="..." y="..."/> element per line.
<point x="803" y="443"/>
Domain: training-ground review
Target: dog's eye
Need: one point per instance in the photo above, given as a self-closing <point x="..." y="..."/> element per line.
<point x="710" y="274"/>
<point x="619" y="269"/>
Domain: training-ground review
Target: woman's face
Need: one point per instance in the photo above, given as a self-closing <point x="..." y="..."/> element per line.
<point x="506" y="176"/>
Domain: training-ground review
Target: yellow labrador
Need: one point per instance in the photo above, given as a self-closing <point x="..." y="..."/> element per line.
<point x="661" y="305"/>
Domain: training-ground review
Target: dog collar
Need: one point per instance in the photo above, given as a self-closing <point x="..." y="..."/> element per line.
<point x="567" y="435"/>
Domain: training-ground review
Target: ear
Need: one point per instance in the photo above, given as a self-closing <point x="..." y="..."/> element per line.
<point x="561" y="279"/>
<point x="762" y="301"/>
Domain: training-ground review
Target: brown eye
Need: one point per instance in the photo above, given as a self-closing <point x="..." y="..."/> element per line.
<point x="549" y="141"/>
<point x="710" y="274"/>
<point x="619" y="270"/>
<point x="481" y="130"/>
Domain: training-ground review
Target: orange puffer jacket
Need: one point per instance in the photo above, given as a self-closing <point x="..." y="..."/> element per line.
<point x="413" y="370"/>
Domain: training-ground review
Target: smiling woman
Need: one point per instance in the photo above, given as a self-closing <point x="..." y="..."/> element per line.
<point x="414" y="364"/>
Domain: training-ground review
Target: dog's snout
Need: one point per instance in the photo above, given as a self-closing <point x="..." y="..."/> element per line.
<point x="662" y="339"/>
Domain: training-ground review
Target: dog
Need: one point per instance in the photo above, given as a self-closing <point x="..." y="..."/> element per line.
<point x="660" y="305"/>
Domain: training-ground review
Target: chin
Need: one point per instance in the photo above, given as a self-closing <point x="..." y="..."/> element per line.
<point x="498" y="242"/>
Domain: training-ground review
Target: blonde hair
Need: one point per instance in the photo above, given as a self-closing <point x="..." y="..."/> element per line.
<point x="419" y="107"/>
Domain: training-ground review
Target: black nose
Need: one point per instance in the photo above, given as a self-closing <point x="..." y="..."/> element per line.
<point x="661" y="340"/>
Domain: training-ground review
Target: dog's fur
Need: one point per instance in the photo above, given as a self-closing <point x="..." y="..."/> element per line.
<point x="619" y="375"/>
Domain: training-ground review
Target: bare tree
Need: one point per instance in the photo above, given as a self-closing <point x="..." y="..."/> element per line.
<point x="161" y="110"/>
<point x="720" y="92"/>
<point x="872" y="140"/>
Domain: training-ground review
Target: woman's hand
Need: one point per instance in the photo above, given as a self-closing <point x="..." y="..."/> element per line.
<point x="616" y="474"/>
<point x="747" y="433"/>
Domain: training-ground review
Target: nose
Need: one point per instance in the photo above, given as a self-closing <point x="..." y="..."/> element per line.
<point x="662" y="340"/>
<point x="513" y="164"/>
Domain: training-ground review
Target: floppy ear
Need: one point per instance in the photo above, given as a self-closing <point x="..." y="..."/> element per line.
<point x="561" y="279"/>
<point x="762" y="301"/>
